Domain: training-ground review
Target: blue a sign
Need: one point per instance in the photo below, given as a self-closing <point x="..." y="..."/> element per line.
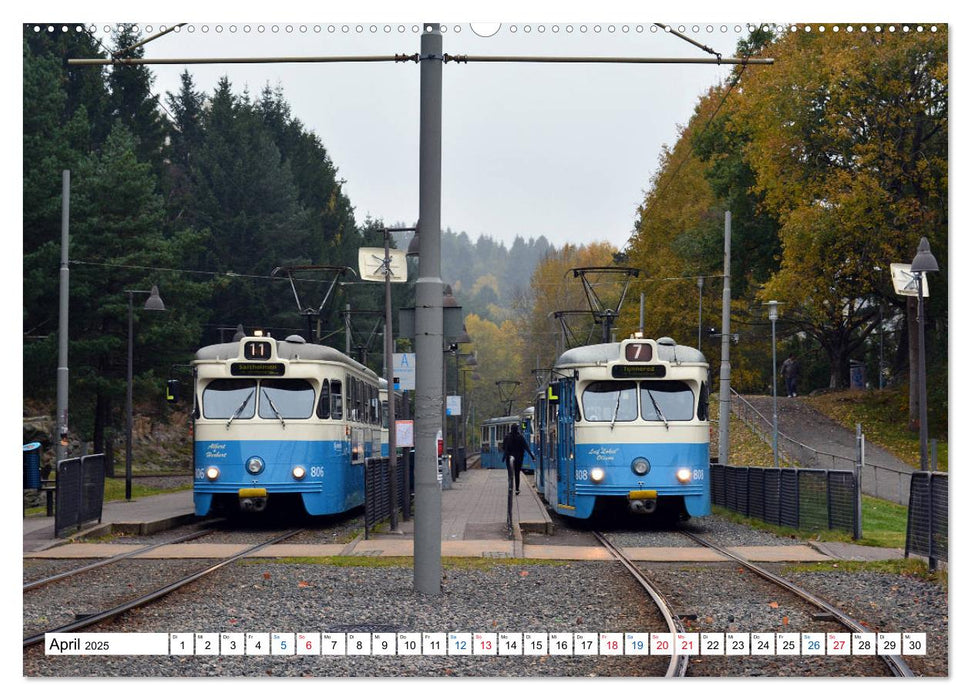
<point x="403" y="365"/>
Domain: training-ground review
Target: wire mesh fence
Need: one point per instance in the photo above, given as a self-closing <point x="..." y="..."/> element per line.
<point x="811" y="499"/>
<point x="927" y="516"/>
<point x="377" y="491"/>
<point x="79" y="489"/>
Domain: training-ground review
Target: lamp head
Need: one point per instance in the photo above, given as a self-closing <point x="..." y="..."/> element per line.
<point x="154" y="301"/>
<point x="924" y="261"/>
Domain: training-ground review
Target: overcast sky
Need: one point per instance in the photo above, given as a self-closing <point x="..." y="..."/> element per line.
<point x="563" y="151"/>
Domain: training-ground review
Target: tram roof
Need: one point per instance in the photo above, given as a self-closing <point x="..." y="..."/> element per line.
<point x="602" y="353"/>
<point x="285" y="350"/>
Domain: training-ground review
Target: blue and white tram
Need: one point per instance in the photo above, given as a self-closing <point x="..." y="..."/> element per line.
<point x="494" y="431"/>
<point x="276" y="419"/>
<point x="627" y="423"/>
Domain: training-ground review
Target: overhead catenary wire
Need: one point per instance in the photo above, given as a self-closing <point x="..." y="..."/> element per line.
<point x="193" y="272"/>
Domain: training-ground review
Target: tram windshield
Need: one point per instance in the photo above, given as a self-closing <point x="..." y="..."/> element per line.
<point x="666" y="400"/>
<point x="286" y="398"/>
<point x="610" y="402"/>
<point x="237" y="399"/>
<point x="228" y="398"/>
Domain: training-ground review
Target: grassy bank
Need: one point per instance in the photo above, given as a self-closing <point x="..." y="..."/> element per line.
<point x="883" y="416"/>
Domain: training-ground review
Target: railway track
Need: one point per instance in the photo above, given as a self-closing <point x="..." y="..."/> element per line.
<point x="898" y="667"/>
<point x="678" y="667"/>
<point x="147" y="598"/>
<point x="115" y="559"/>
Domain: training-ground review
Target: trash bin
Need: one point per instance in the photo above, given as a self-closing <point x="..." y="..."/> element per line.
<point x="857" y="374"/>
<point x="32" y="465"/>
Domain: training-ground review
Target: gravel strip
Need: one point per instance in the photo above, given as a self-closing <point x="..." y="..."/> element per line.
<point x="59" y="603"/>
<point x="265" y="596"/>
<point x="723" y="599"/>
<point x="888" y="603"/>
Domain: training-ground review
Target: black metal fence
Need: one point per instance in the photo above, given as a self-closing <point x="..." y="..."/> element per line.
<point x="377" y="491"/>
<point x="80" y="490"/>
<point x="800" y="498"/>
<point x="927" y="520"/>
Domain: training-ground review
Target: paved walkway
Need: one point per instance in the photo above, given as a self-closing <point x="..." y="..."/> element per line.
<point x="884" y="475"/>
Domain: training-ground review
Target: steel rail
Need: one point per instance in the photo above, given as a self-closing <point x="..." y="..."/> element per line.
<point x="896" y="663"/>
<point x="155" y="595"/>
<point x="111" y="560"/>
<point x="678" y="666"/>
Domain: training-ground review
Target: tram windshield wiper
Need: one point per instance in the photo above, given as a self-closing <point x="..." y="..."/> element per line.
<point x="658" y="410"/>
<point x="273" y="406"/>
<point x="241" y="407"/>
<point x="616" y="408"/>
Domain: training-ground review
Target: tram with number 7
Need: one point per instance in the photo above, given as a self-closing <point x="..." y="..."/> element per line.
<point x="625" y="426"/>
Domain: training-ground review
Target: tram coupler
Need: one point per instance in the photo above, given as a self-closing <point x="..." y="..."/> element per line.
<point x="643" y="506"/>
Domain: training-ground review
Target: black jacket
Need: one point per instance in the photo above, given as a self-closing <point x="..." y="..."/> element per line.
<point x="514" y="444"/>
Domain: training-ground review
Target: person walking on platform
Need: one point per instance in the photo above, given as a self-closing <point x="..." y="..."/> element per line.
<point x="514" y="445"/>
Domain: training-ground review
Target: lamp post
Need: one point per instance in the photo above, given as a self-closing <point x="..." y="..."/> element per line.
<point x="773" y="317"/>
<point x="469" y="363"/>
<point x="153" y="303"/>
<point x="923" y="263"/>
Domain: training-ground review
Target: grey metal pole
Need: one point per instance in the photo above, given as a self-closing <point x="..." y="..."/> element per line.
<point x="773" y="315"/>
<point x="775" y="406"/>
<point x="389" y="376"/>
<point x="642" y="314"/>
<point x="921" y="372"/>
<point x="724" y="376"/>
<point x="858" y="527"/>
<point x="128" y="404"/>
<point x="922" y="395"/>
<point x="429" y="333"/>
<point x="60" y="439"/>
<point x="701" y="286"/>
<point x="347" y="329"/>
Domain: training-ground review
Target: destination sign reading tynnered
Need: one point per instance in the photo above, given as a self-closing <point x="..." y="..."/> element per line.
<point x="257" y="369"/>
<point x="637" y="371"/>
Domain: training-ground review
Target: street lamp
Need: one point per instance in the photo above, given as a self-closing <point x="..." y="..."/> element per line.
<point x="923" y="263"/>
<point x="153" y="303"/>
<point x="773" y="317"/>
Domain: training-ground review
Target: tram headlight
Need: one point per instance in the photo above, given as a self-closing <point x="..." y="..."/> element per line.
<point x="299" y="473"/>
<point x="640" y="466"/>
<point x="212" y="473"/>
<point x="597" y="475"/>
<point x="683" y="475"/>
<point x="254" y="465"/>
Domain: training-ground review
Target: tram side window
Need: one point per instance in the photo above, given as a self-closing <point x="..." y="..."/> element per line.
<point x="674" y="399"/>
<point x="336" y="400"/>
<point x="323" y="405"/>
<point x="703" y="402"/>
<point x="610" y="401"/>
<point x="291" y="398"/>
<point x="222" y="398"/>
